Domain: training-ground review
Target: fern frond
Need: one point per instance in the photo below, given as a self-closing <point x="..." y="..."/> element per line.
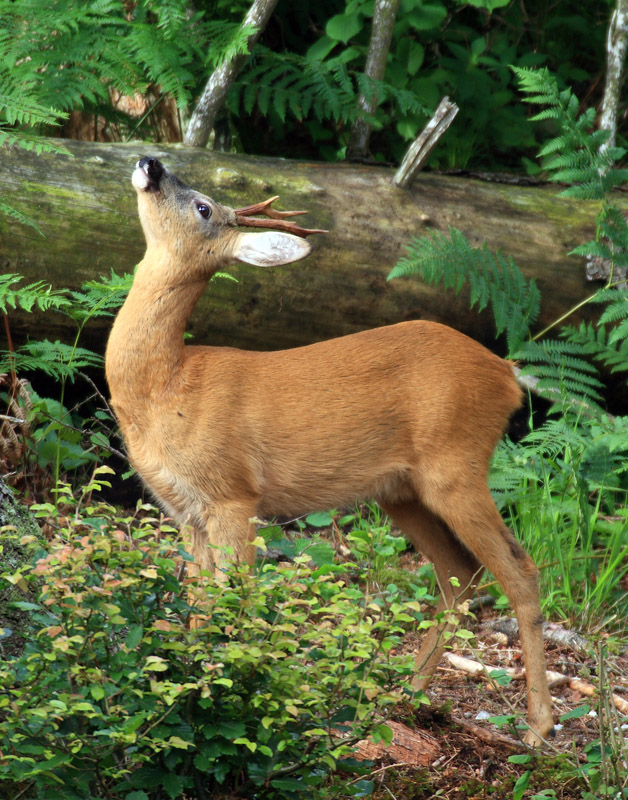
<point x="616" y="305"/>
<point x="228" y="40"/>
<point x="99" y="298"/>
<point x="9" y="211"/>
<point x="493" y="280"/>
<point x="576" y="153"/>
<point x="56" y="359"/>
<point x="37" y="294"/>
<point x="611" y="350"/>
<point x="287" y="82"/>
<point x="553" y="438"/>
<point x="562" y="369"/>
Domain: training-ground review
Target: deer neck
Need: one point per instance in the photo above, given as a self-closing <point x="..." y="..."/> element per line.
<point x="145" y="349"/>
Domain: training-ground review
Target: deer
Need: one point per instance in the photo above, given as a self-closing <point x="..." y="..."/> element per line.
<point x="407" y="414"/>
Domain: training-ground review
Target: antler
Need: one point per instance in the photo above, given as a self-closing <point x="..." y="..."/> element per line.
<point x="279" y="223"/>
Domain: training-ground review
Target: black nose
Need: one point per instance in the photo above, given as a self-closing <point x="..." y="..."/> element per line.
<point x="153" y="169"/>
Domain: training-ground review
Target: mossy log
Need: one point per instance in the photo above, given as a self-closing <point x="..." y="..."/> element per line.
<point x="85" y="207"/>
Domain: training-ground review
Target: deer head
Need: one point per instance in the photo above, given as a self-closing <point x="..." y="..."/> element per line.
<point x="199" y="235"/>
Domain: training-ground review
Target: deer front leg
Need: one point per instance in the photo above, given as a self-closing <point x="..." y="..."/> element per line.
<point x="226" y="539"/>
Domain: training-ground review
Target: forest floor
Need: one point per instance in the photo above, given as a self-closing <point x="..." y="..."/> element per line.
<point x="466" y="756"/>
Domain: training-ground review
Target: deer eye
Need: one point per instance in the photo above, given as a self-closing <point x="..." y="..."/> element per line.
<point x="204" y="210"/>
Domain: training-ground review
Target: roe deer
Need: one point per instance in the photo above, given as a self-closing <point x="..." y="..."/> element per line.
<point x="407" y="414"/>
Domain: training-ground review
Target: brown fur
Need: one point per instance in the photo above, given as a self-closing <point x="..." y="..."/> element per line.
<point x="407" y="414"/>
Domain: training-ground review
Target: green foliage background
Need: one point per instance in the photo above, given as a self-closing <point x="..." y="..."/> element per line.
<point x="296" y="96"/>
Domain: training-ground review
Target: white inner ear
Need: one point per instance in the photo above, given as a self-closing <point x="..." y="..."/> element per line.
<point x="271" y="248"/>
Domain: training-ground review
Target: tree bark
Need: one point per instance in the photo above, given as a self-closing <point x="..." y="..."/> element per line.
<point x="616" y="44"/>
<point x="384" y="16"/>
<point x="215" y="91"/>
<point x="420" y="149"/>
<point x="86" y="207"/>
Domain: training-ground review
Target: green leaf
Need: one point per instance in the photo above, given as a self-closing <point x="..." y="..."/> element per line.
<point x="415" y="57"/>
<point x="230" y="729"/>
<point x="134" y="637"/>
<point x="521" y="758"/>
<point x="382" y="733"/>
<point x="576" y="713"/>
<point x="172" y="784"/>
<point x="252" y="746"/>
<point x="24" y="605"/>
<point x="343" y="26"/>
<point x="500" y="676"/>
<point x="97" y="691"/>
<point x="501" y="719"/>
<point x="427" y="17"/>
<point x="321" y="48"/>
<point x="521" y="785"/>
<point x="489" y="5"/>
<point x="156" y="664"/>
<point x="320" y="519"/>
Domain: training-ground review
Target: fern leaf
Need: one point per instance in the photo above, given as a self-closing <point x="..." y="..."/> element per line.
<point x="56" y="359"/>
<point x="37" y="294"/>
<point x="493" y="279"/>
<point x="562" y="369"/>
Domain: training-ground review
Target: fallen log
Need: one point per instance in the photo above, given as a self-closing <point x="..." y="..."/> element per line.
<point x="85" y="206"/>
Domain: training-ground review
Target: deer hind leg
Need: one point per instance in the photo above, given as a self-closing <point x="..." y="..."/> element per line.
<point x="468" y="509"/>
<point x="436" y="542"/>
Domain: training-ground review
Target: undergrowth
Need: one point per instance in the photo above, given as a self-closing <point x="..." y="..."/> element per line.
<point x="117" y="696"/>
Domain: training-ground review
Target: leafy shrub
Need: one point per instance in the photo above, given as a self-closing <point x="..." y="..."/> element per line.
<point x="115" y="696"/>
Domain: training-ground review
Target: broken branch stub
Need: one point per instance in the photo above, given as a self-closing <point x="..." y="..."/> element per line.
<point x="420" y="149"/>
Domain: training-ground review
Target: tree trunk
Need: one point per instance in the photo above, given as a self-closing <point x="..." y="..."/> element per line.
<point x="384" y="16"/>
<point x="217" y="87"/>
<point x="86" y="208"/>
<point x="616" y="44"/>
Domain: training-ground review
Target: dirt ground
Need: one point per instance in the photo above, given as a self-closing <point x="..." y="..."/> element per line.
<point x="468" y="756"/>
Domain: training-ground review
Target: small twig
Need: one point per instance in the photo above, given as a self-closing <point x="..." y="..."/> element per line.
<point x="420" y="149"/>
<point x="488" y="736"/>
<point x="465" y="664"/>
<point x="150" y="110"/>
<point x="17" y="420"/>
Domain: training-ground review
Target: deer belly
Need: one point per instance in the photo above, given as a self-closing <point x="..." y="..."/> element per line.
<point x="305" y="492"/>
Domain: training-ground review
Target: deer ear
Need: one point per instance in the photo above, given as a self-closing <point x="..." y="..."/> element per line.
<point x="270" y="249"/>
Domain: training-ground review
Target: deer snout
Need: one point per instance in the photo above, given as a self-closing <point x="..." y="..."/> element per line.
<point x="147" y="174"/>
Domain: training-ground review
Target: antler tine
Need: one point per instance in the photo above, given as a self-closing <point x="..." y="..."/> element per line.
<point x="278" y="218"/>
<point x="264" y="208"/>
